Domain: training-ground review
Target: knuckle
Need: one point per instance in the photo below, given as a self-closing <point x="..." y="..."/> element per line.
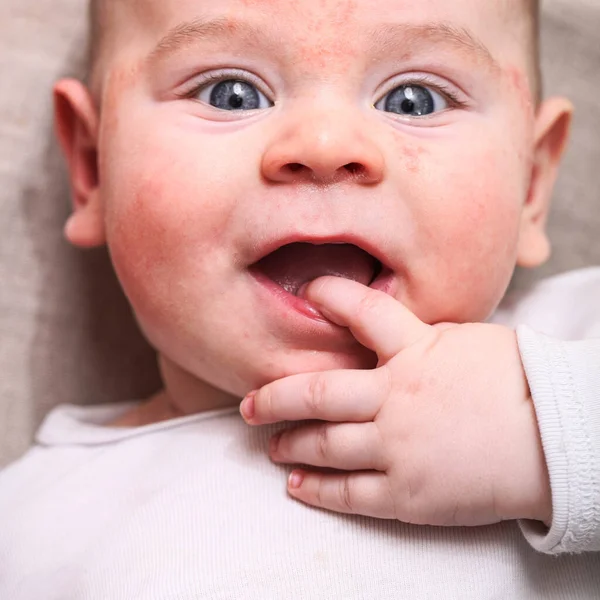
<point x="393" y="507"/>
<point x="316" y="394"/>
<point x="345" y="493"/>
<point x="322" y="442"/>
<point x="319" y="492"/>
<point x="384" y="460"/>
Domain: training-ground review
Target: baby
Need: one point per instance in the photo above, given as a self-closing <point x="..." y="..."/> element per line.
<point x="317" y="206"/>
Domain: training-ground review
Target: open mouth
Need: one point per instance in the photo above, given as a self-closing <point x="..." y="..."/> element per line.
<point x="294" y="265"/>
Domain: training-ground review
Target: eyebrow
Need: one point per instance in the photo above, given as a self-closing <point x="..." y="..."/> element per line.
<point x="384" y="38"/>
<point x="460" y="39"/>
<point x="191" y="32"/>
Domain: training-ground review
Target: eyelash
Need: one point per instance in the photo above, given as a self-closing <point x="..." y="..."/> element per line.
<point x="427" y="82"/>
<point x="206" y="79"/>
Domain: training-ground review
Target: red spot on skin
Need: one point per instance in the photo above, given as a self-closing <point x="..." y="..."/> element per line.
<point x="186" y="205"/>
<point x="322" y="43"/>
<point x="116" y="82"/>
<point x="120" y="79"/>
<point x="519" y="83"/>
<point x="253" y="3"/>
<point x="410" y="155"/>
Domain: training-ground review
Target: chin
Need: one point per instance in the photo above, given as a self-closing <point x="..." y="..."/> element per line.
<point x="307" y="361"/>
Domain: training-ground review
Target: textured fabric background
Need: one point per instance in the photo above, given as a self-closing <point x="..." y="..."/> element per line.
<point x="66" y="334"/>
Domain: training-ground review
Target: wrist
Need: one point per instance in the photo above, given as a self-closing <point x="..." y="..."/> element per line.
<point x="526" y="473"/>
<point x="542" y="507"/>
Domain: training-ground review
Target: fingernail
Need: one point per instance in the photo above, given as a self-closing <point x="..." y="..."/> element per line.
<point x="274" y="443"/>
<point x="247" y="407"/>
<point x="314" y="312"/>
<point x="295" y="480"/>
<point x="309" y="306"/>
<point x="303" y="288"/>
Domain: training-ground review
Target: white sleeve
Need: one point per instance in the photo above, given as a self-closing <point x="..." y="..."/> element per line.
<point x="564" y="378"/>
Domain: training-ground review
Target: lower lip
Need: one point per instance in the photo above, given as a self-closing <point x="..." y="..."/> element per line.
<point x="383" y="283"/>
<point x="292" y="302"/>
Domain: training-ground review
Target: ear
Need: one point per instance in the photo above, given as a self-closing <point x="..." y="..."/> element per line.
<point x="552" y="128"/>
<point x="76" y="125"/>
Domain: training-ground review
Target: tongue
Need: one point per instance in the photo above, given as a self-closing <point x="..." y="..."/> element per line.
<point x="296" y="264"/>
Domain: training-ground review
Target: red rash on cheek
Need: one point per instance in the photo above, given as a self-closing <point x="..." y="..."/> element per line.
<point x="155" y="235"/>
<point x="150" y="245"/>
<point x="409" y="156"/>
<point x="413" y="156"/>
<point x="137" y="236"/>
<point x="467" y="231"/>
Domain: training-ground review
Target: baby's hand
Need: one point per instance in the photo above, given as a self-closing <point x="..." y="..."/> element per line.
<point x="443" y="432"/>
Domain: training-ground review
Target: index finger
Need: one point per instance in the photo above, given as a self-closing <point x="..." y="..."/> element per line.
<point x="378" y="321"/>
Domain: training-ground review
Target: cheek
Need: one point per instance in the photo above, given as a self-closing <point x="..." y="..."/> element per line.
<point x="467" y="215"/>
<point x="412" y="156"/>
<point x="479" y="222"/>
<point x="164" y="228"/>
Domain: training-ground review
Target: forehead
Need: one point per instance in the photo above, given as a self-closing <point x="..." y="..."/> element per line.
<point x="340" y="10"/>
<point x="294" y="32"/>
<point x="292" y="20"/>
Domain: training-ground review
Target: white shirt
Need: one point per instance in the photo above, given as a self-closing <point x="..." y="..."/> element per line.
<point x="193" y="508"/>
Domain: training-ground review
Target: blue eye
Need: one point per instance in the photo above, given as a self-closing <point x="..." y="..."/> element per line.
<point x="233" y="95"/>
<point x="412" y="101"/>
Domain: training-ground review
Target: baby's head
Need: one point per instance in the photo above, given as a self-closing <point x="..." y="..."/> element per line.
<point x="230" y="151"/>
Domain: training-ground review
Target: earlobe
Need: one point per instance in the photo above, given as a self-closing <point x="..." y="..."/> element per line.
<point x="76" y="125"/>
<point x="553" y="124"/>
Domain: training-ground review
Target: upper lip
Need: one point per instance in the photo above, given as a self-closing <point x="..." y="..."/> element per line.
<point x="347" y="238"/>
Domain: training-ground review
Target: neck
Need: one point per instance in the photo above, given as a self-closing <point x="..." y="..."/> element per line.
<point x="188" y="395"/>
<point x="183" y="395"/>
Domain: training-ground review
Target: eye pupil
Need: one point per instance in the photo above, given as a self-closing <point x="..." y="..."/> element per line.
<point x="236" y="102"/>
<point x="408" y="106"/>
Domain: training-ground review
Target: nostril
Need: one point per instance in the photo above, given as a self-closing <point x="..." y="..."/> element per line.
<point x="355" y="168"/>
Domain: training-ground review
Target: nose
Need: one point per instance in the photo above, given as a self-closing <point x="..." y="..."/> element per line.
<point x="324" y="147"/>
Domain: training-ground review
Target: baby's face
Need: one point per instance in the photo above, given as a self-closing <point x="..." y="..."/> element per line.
<point x="237" y="130"/>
